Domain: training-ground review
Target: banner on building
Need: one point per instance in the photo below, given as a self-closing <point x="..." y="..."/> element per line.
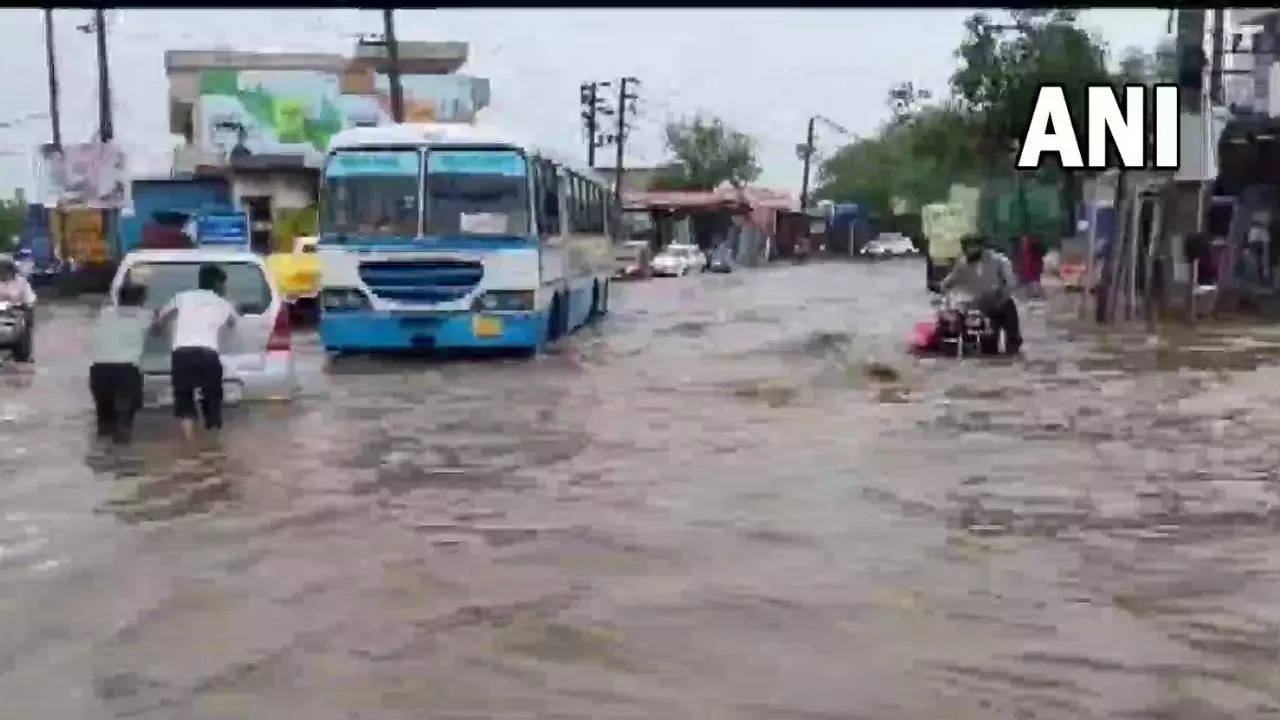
<point x="86" y="240"/>
<point x="85" y="175"/>
<point x="943" y="224"/>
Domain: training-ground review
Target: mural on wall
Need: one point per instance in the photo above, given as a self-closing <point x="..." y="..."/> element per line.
<point x="255" y="112"/>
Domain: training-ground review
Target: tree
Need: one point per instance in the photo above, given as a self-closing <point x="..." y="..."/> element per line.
<point x="708" y="153"/>
<point x="1000" y="75"/>
<point x="1140" y="66"/>
<point x="916" y="156"/>
<point x="13" y="214"/>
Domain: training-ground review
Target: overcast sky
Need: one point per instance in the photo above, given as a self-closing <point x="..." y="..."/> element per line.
<point x="763" y="71"/>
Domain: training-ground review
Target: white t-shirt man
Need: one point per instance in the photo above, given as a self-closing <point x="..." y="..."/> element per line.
<point x="200" y="318"/>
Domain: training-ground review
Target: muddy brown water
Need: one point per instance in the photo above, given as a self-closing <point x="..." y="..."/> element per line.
<point x="735" y="498"/>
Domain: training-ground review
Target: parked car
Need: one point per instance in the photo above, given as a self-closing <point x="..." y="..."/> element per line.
<point x="257" y="355"/>
<point x="677" y="260"/>
<point x="634" y="260"/>
<point x="297" y="274"/>
<point x="889" y="246"/>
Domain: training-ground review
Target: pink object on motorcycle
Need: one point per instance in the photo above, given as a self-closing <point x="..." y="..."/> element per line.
<point x="924" y="336"/>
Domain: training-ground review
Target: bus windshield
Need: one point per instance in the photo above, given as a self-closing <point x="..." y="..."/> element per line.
<point x="476" y="192"/>
<point x="371" y="194"/>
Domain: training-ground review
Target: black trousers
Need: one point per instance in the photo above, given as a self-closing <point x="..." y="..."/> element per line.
<point x="117" y="395"/>
<point x="197" y="368"/>
<point x="1004" y="318"/>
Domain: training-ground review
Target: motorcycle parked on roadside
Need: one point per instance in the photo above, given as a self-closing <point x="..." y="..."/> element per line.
<point x="15" y="333"/>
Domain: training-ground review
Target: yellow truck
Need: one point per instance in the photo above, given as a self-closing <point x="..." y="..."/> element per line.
<point x="297" y="275"/>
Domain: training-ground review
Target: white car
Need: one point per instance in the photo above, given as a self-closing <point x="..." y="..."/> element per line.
<point x="257" y="354"/>
<point x="677" y="260"/>
<point x="889" y="246"/>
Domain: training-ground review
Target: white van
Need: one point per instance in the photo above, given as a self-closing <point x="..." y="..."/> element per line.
<point x="257" y="355"/>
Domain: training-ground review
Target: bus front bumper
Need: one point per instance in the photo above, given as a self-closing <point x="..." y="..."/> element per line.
<point x="348" y="331"/>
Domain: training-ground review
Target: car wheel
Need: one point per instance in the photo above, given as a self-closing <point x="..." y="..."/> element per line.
<point x="22" y="349"/>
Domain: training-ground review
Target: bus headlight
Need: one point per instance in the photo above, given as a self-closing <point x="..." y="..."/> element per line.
<point x="504" y="301"/>
<point x="339" y="299"/>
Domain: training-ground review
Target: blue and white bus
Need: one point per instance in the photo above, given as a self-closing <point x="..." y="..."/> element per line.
<point x="448" y="236"/>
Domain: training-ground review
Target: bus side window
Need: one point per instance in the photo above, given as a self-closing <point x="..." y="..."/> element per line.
<point x="577" y="217"/>
<point x="571" y="205"/>
<point x="550" y="200"/>
<point x="597" y="208"/>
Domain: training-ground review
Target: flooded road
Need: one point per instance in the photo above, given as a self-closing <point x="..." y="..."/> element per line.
<point x="734" y="498"/>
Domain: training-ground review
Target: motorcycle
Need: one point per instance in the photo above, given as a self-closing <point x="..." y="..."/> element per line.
<point x="15" y="335"/>
<point x="961" y="328"/>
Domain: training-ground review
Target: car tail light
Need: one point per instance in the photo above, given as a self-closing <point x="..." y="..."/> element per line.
<point x="281" y="335"/>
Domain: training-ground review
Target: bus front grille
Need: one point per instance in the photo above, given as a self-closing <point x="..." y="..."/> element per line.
<point x="421" y="281"/>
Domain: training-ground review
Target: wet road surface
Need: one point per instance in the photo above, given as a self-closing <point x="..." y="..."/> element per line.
<point x="735" y="498"/>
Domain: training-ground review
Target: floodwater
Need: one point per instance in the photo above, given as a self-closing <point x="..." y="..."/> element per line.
<point x="735" y="498"/>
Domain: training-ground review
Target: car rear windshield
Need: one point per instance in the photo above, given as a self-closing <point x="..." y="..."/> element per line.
<point x="247" y="286"/>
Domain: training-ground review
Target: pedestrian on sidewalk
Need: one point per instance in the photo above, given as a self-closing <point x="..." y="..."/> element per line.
<point x="199" y="318"/>
<point x="1031" y="265"/>
<point x="115" y="380"/>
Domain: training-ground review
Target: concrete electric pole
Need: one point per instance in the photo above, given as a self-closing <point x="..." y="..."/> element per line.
<point x="393" y="60"/>
<point x="593" y="106"/>
<point x="623" y="97"/>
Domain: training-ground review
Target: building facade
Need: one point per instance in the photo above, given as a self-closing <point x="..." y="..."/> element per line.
<point x="264" y="120"/>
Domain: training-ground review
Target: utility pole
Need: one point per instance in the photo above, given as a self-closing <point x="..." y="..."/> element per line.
<point x="592" y="106"/>
<point x="54" y="118"/>
<point x="1215" y="62"/>
<point x="393" y="70"/>
<point x="623" y="97"/>
<point x="104" y="82"/>
<point x="106" y="130"/>
<point x="55" y="121"/>
<point x="808" y="153"/>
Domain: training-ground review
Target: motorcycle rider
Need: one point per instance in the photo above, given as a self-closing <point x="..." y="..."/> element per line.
<point x="988" y="277"/>
<point x="15" y="289"/>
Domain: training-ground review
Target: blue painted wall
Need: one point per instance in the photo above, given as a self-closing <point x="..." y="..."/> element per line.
<point x="192" y="197"/>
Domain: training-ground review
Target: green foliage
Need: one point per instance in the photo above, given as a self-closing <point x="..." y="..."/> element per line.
<point x="925" y="147"/>
<point x="708" y="153"/>
<point x="1140" y="66"/>
<point x="13" y="214"/>
<point x="915" y="157"/>
<point x="1003" y="66"/>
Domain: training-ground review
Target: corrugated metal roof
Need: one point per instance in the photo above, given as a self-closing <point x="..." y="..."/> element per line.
<point x="724" y="196"/>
